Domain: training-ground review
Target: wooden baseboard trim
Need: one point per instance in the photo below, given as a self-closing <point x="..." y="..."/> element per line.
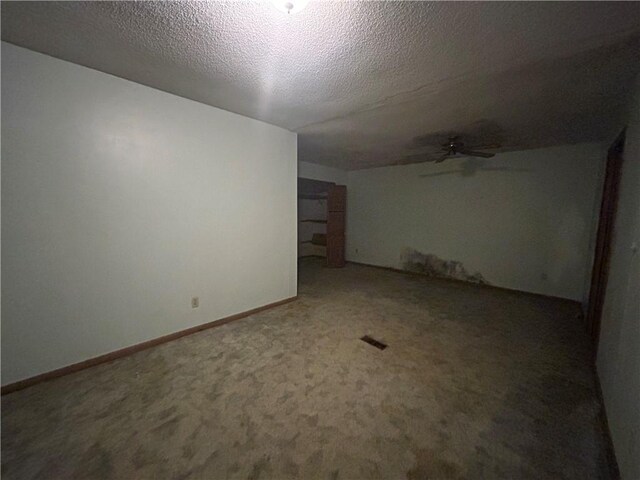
<point x="123" y="352"/>
<point x="455" y="280"/>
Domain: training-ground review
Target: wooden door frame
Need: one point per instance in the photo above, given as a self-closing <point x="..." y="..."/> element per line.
<point x="336" y="217"/>
<point x="604" y="239"/>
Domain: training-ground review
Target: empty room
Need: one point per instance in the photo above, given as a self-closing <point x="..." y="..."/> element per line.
<point x="298" y="239"/>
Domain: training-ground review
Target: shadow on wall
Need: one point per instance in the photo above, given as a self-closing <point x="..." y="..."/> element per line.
<point x="432" y="266"/>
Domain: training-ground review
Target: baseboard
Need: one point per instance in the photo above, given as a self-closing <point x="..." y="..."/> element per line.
<point x="612" y="461"/>
<point x="458" y="281"/>
<point x="123" y="352"/>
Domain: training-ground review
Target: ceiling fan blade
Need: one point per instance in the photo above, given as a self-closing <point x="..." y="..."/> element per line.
<point x="473" y="153"/>
<point x="491" y="146"/>
<point x="443" y="157"/>
<point x="417" y="158"/>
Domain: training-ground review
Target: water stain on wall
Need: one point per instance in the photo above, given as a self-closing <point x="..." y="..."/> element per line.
<point x="433" y="266"/>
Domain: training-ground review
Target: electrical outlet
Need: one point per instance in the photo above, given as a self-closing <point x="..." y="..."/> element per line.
<point x="195" y="302"/>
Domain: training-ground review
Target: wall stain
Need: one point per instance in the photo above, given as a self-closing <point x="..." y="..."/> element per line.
<point x="433" y="266"/>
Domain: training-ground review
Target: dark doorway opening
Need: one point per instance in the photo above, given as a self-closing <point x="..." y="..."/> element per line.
<point x="608" y="209"/>
<point x="321" y="220"/>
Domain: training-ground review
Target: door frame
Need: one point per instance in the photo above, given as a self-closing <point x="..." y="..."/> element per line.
<point x="604" y="239"/>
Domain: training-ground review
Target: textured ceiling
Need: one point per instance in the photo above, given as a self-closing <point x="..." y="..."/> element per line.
<point x="365" y="83"/>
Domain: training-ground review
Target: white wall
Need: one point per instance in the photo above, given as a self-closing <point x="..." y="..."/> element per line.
<point x="619" y="351"/>
<point x="120" y="203"/>
<point x="524" y="220"/>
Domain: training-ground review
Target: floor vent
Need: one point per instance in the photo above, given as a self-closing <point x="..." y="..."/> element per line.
<point x="374" y="342"/>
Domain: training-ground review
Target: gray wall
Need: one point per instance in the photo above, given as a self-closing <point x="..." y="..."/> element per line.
<point x="120" y="203"/>
<point x="619" y="351"/>
<point x="523" y="220"/>
<point x="322" y="172"/>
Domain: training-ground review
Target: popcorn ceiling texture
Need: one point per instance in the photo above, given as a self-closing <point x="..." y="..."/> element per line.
<point x="359" y="81"/>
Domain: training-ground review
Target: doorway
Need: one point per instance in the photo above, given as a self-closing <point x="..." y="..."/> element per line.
<point x="321" y="221"/>
<point x="606" y="222"/>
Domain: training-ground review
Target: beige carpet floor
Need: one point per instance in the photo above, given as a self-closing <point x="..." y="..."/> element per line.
<point x="476" y="383"/>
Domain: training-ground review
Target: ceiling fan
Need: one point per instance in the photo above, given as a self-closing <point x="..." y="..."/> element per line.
<point x="454" y="147"/>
